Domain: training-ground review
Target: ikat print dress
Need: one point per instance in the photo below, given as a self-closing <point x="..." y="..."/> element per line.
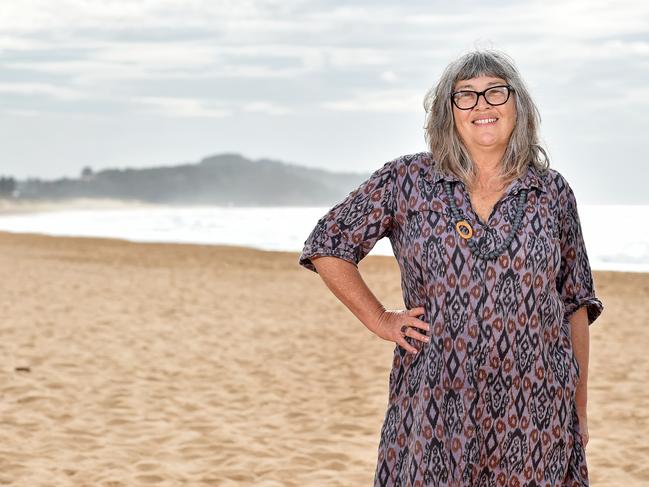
<point x="490" y="400"/>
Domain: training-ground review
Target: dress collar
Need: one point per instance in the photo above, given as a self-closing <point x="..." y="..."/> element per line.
<point x="530" y="179"/>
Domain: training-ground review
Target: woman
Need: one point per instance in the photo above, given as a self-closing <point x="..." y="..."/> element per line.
<point x="489" y="376"/>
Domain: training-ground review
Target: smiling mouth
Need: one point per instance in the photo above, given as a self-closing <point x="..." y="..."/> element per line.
<point x="485" y="121"/>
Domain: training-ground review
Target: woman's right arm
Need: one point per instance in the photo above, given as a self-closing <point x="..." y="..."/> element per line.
<point x="346" y="283"/>
<point x="344" y="236"/>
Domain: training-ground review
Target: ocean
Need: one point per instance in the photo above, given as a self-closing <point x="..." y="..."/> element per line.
<point x="617" y="237"/>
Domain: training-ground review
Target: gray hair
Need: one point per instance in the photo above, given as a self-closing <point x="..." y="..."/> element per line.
<point x="440" y="133"/>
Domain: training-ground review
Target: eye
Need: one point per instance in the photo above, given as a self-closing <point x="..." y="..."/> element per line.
<point x="498" y="89"/>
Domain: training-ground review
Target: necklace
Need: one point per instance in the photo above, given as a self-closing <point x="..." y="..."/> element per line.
<point x="466" y="231"/>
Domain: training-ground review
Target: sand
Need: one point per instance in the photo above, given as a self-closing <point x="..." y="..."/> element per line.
<point x="154" y="364"/>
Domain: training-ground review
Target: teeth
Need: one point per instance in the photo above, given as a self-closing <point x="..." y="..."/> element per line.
<point x="485" y="120"/>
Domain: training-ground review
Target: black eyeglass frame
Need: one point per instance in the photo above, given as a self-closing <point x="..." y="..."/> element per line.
<point x="510" y="89"/>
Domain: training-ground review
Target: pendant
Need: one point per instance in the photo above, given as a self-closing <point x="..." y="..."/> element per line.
<point x="464" y="229"/>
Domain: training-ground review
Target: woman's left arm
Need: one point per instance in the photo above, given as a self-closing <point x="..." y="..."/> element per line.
<point x="581" y="346"/>
<point x="580" y="343"/>
<point x="577" y="289"/>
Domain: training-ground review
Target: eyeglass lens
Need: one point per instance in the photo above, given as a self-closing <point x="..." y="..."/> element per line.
<point x="494" y="96"/>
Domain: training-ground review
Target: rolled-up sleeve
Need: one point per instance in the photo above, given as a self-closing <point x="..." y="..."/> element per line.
<point x="351" y="228"/>
<point x="575" y="279"/>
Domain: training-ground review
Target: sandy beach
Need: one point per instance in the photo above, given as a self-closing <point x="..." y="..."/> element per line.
<point x="155" y="364"/>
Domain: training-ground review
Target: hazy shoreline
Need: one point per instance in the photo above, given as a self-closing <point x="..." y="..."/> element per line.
<point x="269" y="228"/>
<point x="8" y="207"/>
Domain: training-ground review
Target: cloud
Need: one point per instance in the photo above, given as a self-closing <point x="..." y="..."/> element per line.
<point x="96" y="48"/>
<point x="155" y="60"/>
<point x="388" y="101"/>
<point x="266" y="107"/>
<point x="635" y="97"/>
<point x="389" y="76"/>
<point x="147" y="39"/>
<point x="184" y="107"/>
<point x="197" y="108"/>
<point x="209" y="60"/>
<point x="27" y="89"/>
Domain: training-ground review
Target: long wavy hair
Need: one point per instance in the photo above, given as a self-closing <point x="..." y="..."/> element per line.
<point x="442" y="138"/>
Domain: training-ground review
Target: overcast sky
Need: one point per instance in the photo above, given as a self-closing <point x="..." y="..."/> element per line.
<point x="329" y="84"/>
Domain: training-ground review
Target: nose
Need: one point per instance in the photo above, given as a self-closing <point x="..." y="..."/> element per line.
<point x="482" y="101"/>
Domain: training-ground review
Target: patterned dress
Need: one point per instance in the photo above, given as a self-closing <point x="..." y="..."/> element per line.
<point x="489" y="401"/>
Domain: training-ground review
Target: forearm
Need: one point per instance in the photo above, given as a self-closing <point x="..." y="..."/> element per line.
<point x="581" y="344"/>
<point x="346" y="283"/>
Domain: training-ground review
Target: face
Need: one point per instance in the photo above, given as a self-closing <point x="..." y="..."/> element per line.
<point x="493" y="135"/>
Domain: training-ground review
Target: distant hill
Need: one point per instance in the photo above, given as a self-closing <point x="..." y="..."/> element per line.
<point x="225" y="179"/>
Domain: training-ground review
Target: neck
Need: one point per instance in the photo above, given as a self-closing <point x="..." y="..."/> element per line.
<point x="487" y="167"/>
